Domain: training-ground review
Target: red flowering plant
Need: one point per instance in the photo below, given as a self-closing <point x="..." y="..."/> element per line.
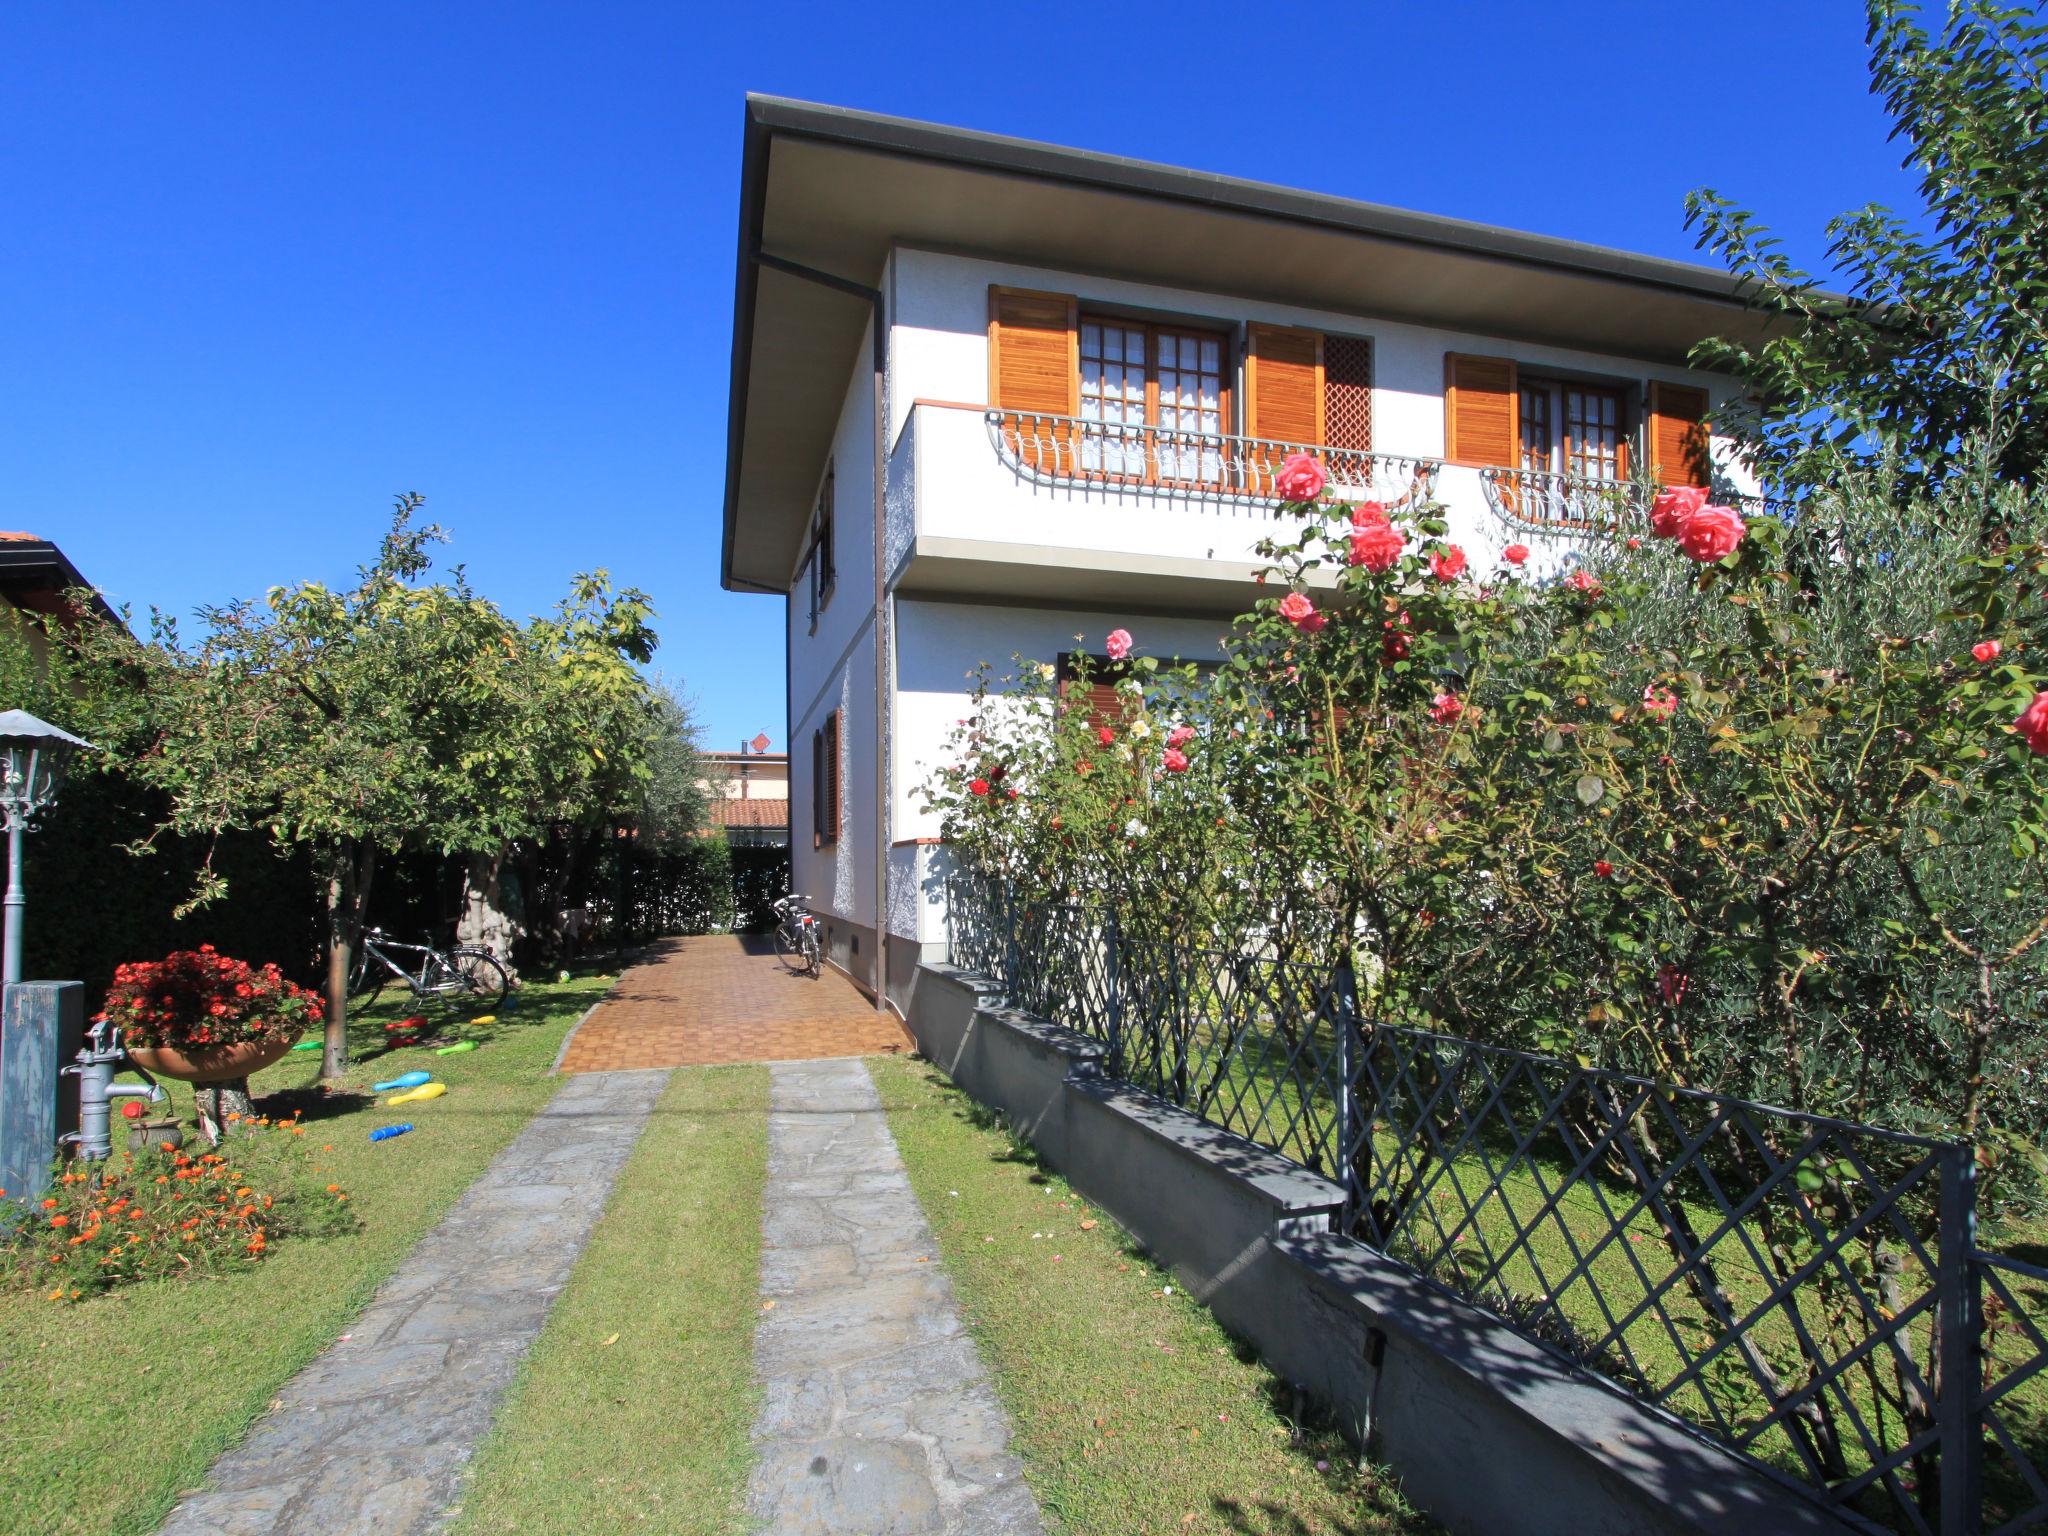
<point x="196" y="998"/>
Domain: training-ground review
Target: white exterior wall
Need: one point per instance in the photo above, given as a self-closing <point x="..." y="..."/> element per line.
<point x="833" y="667"/>
<point x="947" y="483"/>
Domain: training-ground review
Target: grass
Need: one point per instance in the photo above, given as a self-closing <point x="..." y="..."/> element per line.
<point x="635" y="1404"/>
<point x="111" y="1407"/>
<point x="1133" y="1410"/>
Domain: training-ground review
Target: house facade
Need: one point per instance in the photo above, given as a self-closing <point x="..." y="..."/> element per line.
<point x="990" y="396"/>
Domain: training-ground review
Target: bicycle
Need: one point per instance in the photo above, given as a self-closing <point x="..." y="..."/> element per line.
<point x="796" y="936"/>
<point x="466" y="976"/>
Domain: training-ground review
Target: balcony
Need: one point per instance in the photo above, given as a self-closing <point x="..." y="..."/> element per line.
<point x="1580" y="509"/>
<point x="1038" y="506"/>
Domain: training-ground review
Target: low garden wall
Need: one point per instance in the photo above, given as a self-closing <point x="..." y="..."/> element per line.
<point x="1488" y="1430"/>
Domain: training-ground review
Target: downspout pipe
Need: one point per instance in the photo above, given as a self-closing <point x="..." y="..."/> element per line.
<point x="883" y="789"/>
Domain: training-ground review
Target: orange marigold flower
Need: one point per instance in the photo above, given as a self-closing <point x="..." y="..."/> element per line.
<point x="334" y="1189"/>
<point x="60" y="1221"/>
<point x="49" y="1205"/>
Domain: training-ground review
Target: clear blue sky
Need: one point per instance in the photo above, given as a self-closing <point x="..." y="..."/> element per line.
<point x="264" y="265"/>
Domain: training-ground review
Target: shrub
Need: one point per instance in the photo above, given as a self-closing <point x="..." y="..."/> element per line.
<point x="167" y="1214"/>
<point x="197" y="998"/>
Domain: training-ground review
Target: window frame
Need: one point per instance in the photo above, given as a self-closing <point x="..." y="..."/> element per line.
<point x="1554" y="390"/>
<point x="823" y="566"/>
<point x="825" y="793"/>
<point x="1223" y="333"/>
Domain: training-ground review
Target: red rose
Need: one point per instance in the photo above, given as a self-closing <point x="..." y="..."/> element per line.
<point x="978" y="787"/>
<point x="1180" y="735"/>
<point x="1515" y="554"/>
<point x="1300" y="479"/>
<point x="1448" y="563"/>
<point x="1377" y="548"/>
<point x="1673" y="506"/>
<point x="1986" y="650"/>
<point x="1661" y="702"/>
<point x="1711" y="534"/>
<point x="1295" y="608"/>
<point x="1445" y="708"/>
<point x="1106" y="736"/>
<point x="1176" y="761"/>
<point x="2033" y="723"/>
<point x="1671" y="984"/>
<point x="1602" y="868"/>
<point x="1367" y="515"/>
<point x="1579" y="581"/>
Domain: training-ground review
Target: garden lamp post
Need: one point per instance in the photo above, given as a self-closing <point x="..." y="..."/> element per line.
<point x="33" y="755"/>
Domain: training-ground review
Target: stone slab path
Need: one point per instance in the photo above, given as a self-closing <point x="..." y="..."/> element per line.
<point x="725" y="997"/>
<point x="875" y="1416"/>
<point x="375" y="1434"/>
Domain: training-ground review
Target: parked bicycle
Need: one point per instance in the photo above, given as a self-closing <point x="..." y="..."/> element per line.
<point x="797" y="941"/>
<point x="467" y="976"/>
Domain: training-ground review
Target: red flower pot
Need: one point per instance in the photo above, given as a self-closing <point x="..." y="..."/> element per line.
<point x="210" y="1063"/>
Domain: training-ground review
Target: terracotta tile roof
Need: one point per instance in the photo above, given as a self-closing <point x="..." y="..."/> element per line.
<point x="750" y="813"/>
<point x="21" y="538"/>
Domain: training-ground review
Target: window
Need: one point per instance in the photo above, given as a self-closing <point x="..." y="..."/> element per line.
<point x="1573" y="429"/>
<point x="1155" y="401"/>
<point x="823" y="573"/>
<point x="825" y="781"/>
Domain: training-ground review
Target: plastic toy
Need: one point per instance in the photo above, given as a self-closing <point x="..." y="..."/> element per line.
<point x="417" y="1021"/>
<point x="489" y="1018"/>
<point x="424" y="1091"/>
<point x="457" y="1048"/>
<point x="386" y="1132"/>
<point x="408" y="1080"/>
<point x="308" y="1045"/>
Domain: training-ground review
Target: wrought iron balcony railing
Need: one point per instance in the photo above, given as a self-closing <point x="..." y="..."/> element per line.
<point x="1541" y="501"/>
<point x="1075" y="453"/>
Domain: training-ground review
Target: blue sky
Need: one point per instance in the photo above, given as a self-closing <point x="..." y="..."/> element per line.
<point x="264" y="266"/>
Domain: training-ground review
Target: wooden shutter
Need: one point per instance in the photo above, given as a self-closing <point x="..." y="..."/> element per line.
<point x="1034" y="370"/>
<point x="1283" y="373"/>
<point x="1347" y="393"/>
<point x="1678" y="434"/>
<point x="1481" y="411"/>
<point x="832" y="729"/>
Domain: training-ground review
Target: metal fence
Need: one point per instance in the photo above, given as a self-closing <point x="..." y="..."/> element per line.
<point x="1810" y="1293"/>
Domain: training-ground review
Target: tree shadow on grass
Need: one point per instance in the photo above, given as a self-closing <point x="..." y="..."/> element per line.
<point x="312" y="1104"/>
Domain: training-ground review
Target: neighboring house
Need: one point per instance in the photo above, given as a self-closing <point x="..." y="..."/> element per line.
<point x="34" y="578"/>
<point x="998" y="394"/>
<point x="750" y="791"/>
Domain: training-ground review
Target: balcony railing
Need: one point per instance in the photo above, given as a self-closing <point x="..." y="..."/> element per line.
<point x="1539" y="501"/>
<point x="1073" y="453"/>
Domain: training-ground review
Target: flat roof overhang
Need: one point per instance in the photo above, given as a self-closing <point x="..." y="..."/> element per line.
<point x="837" y="190"/>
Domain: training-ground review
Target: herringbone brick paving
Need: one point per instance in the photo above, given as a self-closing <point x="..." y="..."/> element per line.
<point x="725" y="997"/>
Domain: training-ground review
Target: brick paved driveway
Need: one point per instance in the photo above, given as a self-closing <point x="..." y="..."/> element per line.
<point x="725" y="997"/>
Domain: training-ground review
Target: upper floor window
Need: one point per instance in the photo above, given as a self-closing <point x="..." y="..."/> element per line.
<point x="1498" y="417"/>
<point x="824" y="575"/>
<point x="1154" y="399"/>
<point x="1573" y="429"/>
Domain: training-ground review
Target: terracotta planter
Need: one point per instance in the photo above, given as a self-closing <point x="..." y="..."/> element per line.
<point x="210" y="1063"/>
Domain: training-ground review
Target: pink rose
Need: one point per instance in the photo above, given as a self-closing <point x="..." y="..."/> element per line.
<point x="1300" y="479"/>
<point x="2033" y="724"/>
<point x="1515" y="554"/>
<point x="1445" y="708"/>
<point x="1176" y="761"/>
<point x="1180" y="735"/>
<point x="1674" y="504"/>
<point x="1118" y="644"/>
<point x="1580" y="581"/>
<point x="1368" y="514"/>
<point x="1295" y="607"/>
<point x="1986" y="650"/>
<point x="1661" y="702"/>
<point x="1711" y="534"/>
<point x="1448" y="563"/>
<point x="1377" y="548"/>
<point x="978" y="787"/>
<point x="1312" y="624"/>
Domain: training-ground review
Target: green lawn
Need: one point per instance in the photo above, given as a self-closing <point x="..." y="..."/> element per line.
<point x="635" y="1405"/>
<point x="1134" y="1411"/>
<point x="111" y="1407"/>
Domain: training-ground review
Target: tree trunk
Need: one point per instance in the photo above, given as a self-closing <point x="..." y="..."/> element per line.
<point x="214" y="1102"/>
<point x="349" y="871"/>
<point x="487" y="916"/>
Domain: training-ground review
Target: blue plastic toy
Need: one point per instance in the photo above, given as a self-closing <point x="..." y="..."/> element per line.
<point x="386" y="1132"/>
<point x="409" y="1080"/>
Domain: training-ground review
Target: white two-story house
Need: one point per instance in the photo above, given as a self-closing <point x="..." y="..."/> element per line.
<point x="990" y="394"/>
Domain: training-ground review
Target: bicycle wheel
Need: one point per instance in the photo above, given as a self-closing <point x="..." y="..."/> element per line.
<point x="481" y="978"/>
<point x="365" y="982"/>
<point x="789" y="949"/>
<point x="813" y="950"/>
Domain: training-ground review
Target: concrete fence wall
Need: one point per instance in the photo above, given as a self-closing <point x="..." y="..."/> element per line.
<point x="1489" y="1432"/>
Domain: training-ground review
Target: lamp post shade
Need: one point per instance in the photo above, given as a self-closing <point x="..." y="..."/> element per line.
<point x="33" y="755"/>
